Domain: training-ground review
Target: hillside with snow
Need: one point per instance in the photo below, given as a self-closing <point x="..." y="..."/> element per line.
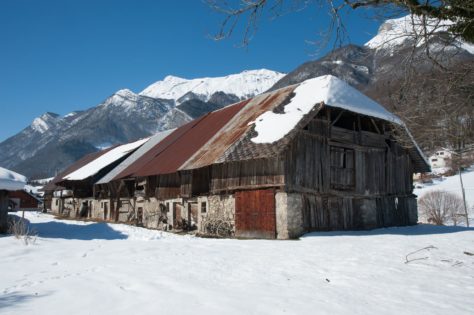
<point x="99" y="268"/>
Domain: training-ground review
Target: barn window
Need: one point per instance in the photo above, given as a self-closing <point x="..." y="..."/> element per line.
<point x="342" y="168"/>
<point x="57" y="202"/>
<point x="203" y="207"/>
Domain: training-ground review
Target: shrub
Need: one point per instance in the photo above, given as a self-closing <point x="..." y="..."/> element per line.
<point x="439" y="207"/>
<point x="20" y="228"/>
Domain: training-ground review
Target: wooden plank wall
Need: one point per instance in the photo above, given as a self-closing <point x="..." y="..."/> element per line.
<point x="249" y="174"/>
<point x="341" y="165"/>
<point x="324" y="213"/>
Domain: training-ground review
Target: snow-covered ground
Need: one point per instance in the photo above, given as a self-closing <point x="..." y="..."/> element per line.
<point x="98" y="268"/>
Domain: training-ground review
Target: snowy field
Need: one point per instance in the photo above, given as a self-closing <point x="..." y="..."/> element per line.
<point x="98" y="268"/>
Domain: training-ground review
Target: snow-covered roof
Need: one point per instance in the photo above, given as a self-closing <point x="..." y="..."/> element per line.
<point x="10" y="180"/>
<point x="330" y="91"/>
<point x="327" y="89"/>
<point x="104" y="160"/>
<point x="154" y="140"/>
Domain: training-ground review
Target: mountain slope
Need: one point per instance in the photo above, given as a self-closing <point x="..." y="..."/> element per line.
<point x="52" y="142"/>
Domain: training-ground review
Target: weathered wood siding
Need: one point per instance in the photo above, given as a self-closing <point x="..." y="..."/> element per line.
<point x="348" y="163"/>
<point x="347" y="213"/>
<point x="350" y="179"/>
<point x="250" y="174"/>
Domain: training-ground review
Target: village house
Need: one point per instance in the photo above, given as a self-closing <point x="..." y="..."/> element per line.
<point x="314" y="156"/>
<point x="441" y="159"/>
<point x="9" y="181"/>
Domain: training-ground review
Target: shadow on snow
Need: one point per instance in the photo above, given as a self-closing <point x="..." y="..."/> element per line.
<point x="91" y="231"/>
<point x="420" y="229"/>
<point x="14" y="298"/>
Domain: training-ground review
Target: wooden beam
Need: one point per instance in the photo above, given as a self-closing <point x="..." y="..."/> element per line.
<point x="375" y="125"/>
<point x="337" y="118"/>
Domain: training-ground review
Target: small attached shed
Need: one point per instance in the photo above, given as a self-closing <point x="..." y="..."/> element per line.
<point x="9" y="181"/>
<point x="74" y="195"/>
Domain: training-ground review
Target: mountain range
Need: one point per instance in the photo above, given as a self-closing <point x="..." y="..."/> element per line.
<point x="52" y="142"/>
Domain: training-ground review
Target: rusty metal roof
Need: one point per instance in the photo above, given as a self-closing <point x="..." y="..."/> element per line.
<point x="152" y="142"/>
<point x="236" y="130"/>
<point x="173" y="151"/>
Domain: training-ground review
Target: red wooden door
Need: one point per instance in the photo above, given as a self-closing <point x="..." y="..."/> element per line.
<point x="255" y="214"/>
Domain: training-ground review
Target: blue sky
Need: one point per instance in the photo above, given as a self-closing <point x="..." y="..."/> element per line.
<point x="64" y="55"/>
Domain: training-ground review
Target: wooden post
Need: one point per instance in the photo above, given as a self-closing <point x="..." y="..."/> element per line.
<point x="464" y="198"/>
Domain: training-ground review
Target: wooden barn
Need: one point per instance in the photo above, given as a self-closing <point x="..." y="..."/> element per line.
<point x="315" y="156"/>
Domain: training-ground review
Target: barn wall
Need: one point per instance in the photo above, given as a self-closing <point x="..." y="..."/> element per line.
<point x="348" y="213"/>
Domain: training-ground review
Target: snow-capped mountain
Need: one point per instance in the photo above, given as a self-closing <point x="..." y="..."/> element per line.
<point x="242" y="85"/>
<point x="411" y="30"/>
<point x="52" y="142"/>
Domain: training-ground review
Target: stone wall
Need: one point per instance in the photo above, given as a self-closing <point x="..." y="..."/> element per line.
<point x="289" y="215"/>
<point x="218" y="207"/>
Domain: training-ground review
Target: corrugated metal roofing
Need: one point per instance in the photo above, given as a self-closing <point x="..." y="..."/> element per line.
<point x="153" y="141"/>
<point x="178" y="147"/>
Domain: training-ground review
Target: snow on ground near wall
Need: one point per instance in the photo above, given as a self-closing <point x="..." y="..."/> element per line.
<point x="329" y="89"/>
<point x="98" y="268"/>
<point x="96" y="165"/>
<point x="10" y="180"/>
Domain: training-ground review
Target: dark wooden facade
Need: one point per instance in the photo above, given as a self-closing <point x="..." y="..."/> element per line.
<point x="351" y="172"/>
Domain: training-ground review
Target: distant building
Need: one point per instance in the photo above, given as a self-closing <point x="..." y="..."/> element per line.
<point x="23" y="200"/>
<point x="441" y="159"/>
